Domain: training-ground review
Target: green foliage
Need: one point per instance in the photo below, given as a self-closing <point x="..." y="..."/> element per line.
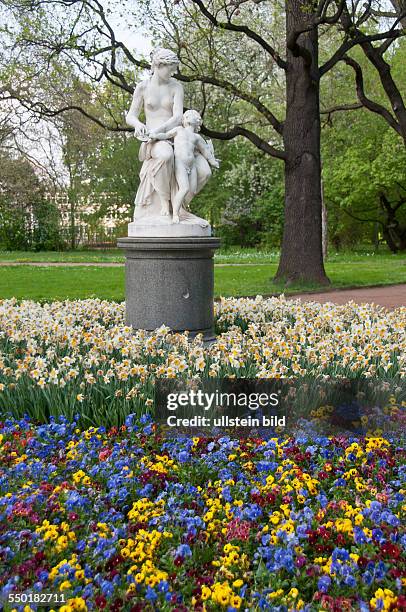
<point x="102" y="165"/>
<point x="45" y="234"/>
<point x="369" y="161"/>
<point x="114" y="168"/>
<point x="253" y="209"/>
<point x="37" y="229"/>
<point x="27" y="219"/>
<point x="12" y="227"/>
<point x="363" y="158"/>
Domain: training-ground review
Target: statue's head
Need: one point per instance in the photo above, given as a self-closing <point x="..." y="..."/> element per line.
<point x="165" y="62"/>
<point x="193" y="118"/>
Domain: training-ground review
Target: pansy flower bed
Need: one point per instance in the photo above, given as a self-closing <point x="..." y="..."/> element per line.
<point x="123" y="519"/>
<point x="96" y="505"/>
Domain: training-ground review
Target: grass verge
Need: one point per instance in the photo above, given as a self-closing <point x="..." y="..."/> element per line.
<point x="59" y="283"/>
<point x="235" y="255"/>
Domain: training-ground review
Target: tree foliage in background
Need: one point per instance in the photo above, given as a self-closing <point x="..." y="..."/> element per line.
<point x="368" y="183"/>
<point x="111" y="165"/>
<point x="253" y="212"/>
<point x="364" y="165"/>
<point x="28" y="220"/>
<point x="236" y="57"/>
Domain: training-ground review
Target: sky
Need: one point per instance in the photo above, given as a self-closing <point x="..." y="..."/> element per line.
<point x="138" y="41"/>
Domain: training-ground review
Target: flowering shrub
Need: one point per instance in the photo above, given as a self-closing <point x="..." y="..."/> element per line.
<point x="122" y="519"/>
<point x="70" y="357"/>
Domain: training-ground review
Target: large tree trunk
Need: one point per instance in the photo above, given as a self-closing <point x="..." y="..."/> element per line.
<point x="302" y="256"/>
<point x="393" y="232"/>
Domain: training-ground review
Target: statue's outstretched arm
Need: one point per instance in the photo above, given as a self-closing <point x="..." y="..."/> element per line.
<point x="135" y="110"/>
<point x="207" y="150"/>
<point x="165" y="135"/>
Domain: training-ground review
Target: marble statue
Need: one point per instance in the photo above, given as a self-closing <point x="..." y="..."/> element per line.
<point x="186" y="144"/>
<point x="176" y="159"/>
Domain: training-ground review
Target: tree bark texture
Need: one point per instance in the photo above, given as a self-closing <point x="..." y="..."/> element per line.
<point x="302" y="254"/>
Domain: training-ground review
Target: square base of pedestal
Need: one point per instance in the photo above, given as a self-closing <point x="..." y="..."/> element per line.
<point x="165" y="228"/>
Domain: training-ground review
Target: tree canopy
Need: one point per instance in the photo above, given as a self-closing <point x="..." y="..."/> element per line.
<point x="259" y="72"/>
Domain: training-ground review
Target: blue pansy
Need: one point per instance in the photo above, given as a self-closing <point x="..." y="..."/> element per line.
<point x="324" y="583"/>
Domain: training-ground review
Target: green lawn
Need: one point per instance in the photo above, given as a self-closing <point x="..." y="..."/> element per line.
<point x="85" y="256"/>
<point x="57" y="283"/>
<point x="362" y="255"/>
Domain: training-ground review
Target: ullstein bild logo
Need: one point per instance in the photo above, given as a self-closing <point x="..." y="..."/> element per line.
<point x="216" y="407"/>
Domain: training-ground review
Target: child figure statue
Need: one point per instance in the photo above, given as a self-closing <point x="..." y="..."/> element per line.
<point x="187" y="143"/>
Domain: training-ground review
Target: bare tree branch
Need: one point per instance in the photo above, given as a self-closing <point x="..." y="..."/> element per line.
<point x="228" y="25"/>
<point x="336" y="109"/>
<point x="375" y="56"/>
<point x="232" y="133"/>
<point x="349" y="43"/>
<point x="367" y="102"/>
<point x="399" y="10"/>
<point x="39" y="108"/>
<point x="251" y="136"/>
<point x="230" y="87"/>
<point x="350" y="214"/>
<point x="341" y="107"/>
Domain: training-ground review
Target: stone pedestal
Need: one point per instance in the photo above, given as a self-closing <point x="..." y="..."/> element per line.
<point x="163" y="227"/>
<point x="169" y="281"/>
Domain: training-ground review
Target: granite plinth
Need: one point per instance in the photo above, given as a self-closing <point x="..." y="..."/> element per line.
<point x="170" y="281"/>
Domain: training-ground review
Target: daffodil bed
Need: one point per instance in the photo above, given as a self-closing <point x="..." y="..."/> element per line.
<point x="80" y="357"/>
<point x="117" y="517"/>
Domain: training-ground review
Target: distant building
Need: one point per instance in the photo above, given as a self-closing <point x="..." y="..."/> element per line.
<point x="97" y="218"/>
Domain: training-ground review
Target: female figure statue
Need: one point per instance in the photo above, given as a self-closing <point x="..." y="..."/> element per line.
<point x="161" y="98"/>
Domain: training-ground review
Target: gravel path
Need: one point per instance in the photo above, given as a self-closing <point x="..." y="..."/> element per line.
<point x="390" y="296"/>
